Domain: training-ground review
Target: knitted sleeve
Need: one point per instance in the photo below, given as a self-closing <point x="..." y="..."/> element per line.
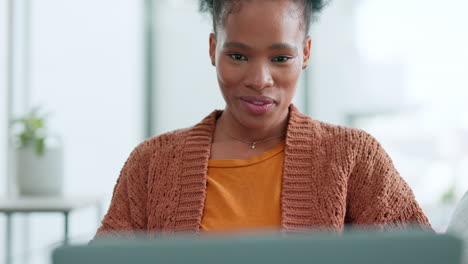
<point x="127" y="211"/>
<point x="378" y="197"/>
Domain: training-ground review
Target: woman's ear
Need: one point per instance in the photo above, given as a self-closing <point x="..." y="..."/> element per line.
<point x="306" y="51"/>
<point x="213" y="48"/>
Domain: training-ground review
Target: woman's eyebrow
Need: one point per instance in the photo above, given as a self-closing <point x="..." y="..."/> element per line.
<point x="283" y="46"/>
<point x="247" y="47"/>
<point x="236" y="45"/>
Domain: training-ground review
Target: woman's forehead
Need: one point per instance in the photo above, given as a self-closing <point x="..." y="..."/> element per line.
<point x="275" y="9"/>
<point x="272" y="47"/>
<point x="264" y="21"/>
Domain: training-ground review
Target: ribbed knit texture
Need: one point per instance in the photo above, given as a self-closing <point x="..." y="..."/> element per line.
<point x="333" y="176"/>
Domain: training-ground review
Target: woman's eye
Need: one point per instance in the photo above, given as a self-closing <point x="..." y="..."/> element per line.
<point x="281" y="59"/>
<point x="237" y="57"/>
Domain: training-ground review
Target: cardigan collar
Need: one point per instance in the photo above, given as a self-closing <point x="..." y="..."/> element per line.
<point x="298" y="199"/>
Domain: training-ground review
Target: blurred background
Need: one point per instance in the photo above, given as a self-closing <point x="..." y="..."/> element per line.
<point x="113" y="73"/>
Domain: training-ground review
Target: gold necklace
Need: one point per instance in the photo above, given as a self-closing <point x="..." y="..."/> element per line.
<point x="252" y="145"/>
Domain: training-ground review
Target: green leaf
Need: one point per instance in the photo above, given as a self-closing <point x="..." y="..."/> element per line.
<point x="449" y="195"/>
<point x="32" y="129"/>
<point x="40" y="146"/>
<point x="23" y="139"/>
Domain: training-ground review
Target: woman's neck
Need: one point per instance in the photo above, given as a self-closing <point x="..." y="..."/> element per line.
<point x="230" y="137"/>
<point x="231" y="128"/>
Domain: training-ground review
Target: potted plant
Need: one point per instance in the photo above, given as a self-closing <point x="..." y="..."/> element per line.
<point x="39" y="158"/>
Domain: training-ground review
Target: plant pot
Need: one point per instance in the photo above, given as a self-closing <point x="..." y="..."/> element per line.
<point x="39" y="175"/>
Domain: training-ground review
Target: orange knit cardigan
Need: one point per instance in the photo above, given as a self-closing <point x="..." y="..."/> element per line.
<point x="332" y="176"/>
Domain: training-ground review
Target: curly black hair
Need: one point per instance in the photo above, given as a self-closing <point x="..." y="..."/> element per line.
<point x="219" y="9"/>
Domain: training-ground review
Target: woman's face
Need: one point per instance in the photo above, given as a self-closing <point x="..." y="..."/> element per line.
<point x="259" y="53"/>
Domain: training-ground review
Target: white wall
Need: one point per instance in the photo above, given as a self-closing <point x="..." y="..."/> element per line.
<point x="3" y="109"/>
<point x="342" y="80"/>
<point x="86" y="68"/>
<point x="3" y="91"/>
<point x="186" y="85"/>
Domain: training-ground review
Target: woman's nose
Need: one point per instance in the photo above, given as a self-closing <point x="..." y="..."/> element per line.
<point x="258" y="77"/>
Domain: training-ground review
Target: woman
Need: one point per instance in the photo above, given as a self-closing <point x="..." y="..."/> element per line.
<point x="260" y="163"/>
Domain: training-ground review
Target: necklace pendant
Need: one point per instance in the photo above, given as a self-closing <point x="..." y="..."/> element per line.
<point x="252" y="145"/>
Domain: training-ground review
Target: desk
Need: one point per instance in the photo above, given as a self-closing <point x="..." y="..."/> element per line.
<point x="62" y="205"/>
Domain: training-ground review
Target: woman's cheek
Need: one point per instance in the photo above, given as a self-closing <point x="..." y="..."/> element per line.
<point x="229" y="75"/>
<point x="287" y="77"/>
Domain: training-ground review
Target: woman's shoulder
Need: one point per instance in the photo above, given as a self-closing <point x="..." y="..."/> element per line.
<point x="342" y="135"/>
<point x="172" y="143"/>
<point x="168" y="140"/>
<point x="328" y="132"/>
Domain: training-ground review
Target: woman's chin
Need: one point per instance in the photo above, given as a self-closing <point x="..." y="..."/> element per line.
<point x="256" y="121"/>
<point x="252" y="120"/>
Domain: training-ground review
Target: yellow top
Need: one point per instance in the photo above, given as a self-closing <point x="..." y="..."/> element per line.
<point x="244" y="194"/>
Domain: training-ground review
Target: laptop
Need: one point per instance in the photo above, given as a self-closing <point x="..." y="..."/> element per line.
<point x="362" y="248"/>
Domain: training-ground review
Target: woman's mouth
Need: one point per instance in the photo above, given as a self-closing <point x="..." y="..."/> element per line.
<point x="257" y="105"/>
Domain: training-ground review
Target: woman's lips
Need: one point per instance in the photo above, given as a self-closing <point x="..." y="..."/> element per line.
<point x="257" y="105"/>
